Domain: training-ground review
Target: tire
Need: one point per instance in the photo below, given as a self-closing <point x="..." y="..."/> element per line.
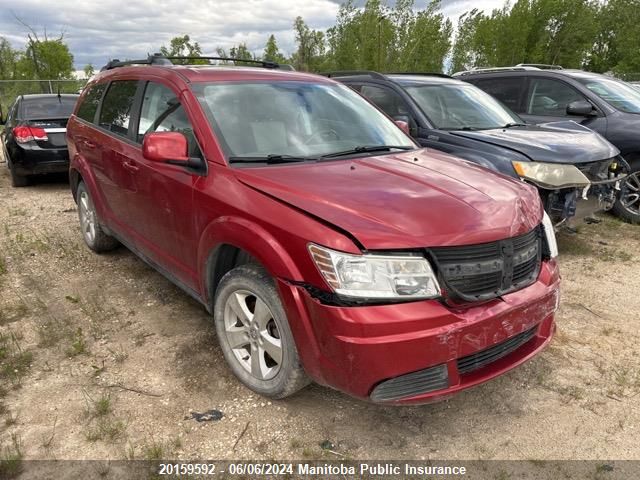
<point x="92" y="232"/>
<point x="250" y="344"/>
<point x="17" y="181"/>
<point x="629" y="192"/>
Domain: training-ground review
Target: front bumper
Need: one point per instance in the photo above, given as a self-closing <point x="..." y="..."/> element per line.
<point x="356" y="349"/>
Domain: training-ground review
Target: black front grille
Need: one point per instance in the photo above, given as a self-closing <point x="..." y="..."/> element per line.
<point x="411" y="384"/>
<point x="485" y="357"/>
<point x="488" y="270"/>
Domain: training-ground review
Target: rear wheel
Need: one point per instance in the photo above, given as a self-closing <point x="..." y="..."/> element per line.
<point x="92" y="232"/>
<point x="627" y="206"/>
<point x="254" y="333"/>
<point x="16" y="179"/>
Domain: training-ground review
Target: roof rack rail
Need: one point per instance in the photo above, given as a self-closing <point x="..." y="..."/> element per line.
<point x="159" y="59"/>
<point x="353" y="73"/>
<point x="542" y="66"/>
<point x="516" y="68"/>
<point x="426" y="74"/>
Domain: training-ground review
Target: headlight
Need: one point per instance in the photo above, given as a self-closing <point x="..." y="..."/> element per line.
<point x="550" y="235"/>
<point x="376" y="276"/>
<point x="551" y="175"/>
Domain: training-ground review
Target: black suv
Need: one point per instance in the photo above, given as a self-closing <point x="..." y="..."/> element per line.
<point x="547" y="93"/>
<point x="576" y="170"/>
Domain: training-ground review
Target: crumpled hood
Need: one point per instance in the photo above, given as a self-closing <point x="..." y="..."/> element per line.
<point x="407" y="200"/>
<point x="555" y="142"/>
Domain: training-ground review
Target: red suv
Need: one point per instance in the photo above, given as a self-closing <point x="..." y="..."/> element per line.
<point x="325" y="242"/>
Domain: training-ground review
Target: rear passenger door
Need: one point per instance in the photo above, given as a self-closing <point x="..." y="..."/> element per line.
<point x="114" y="146"/>
<point x="165" y="192"/>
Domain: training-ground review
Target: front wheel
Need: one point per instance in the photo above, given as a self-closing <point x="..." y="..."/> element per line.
<point x="627" y="206"/>
<point x="254" y="333"/>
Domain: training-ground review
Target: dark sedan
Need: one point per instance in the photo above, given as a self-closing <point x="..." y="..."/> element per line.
<point x="33" y="140"/>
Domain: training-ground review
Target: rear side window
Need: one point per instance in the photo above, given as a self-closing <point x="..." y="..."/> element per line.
<point x="115" y="113"/>
<point x="550" y="97"/>
<point x="89" y="106"/>
<point x="507" y="90"/>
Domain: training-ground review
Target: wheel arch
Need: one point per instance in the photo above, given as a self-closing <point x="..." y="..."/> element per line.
<point x="232" y="241"/>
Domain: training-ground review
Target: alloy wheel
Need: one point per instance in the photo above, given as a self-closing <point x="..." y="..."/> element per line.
<point x="630" y="198"/>
<point x="253" y="334"/>
<point x="87" y="217"/>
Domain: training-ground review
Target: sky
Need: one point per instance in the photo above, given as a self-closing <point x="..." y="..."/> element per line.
<point x="97" y="31"/>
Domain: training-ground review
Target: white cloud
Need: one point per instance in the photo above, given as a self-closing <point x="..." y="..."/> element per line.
<point x="99" y="31"/>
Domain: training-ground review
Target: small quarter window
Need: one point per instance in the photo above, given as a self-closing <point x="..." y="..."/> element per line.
<point x="89" y="106"/>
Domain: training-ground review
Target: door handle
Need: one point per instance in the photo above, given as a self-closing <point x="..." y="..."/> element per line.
<point x="130" y="166"/>
<point x="89" y="144"/>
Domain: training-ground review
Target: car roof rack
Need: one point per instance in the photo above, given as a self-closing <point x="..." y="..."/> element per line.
<point x="518" y="68"/>
<point x="426" y="74"/>
<point x="354" y="73"/>
<point x="161" y="60"/>
<point x="541" y="66"/>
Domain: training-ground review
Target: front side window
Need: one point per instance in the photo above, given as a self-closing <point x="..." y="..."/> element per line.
<point x="162" y="112"/>
<point x="299" y="119"/>
<point x="115" y="113"/>
<point x="89" y="106"/>
<point x="507" y="90"/>
<point x="459" y="107"/>
<point x="619" y="95"/>
<point x="550" y="97"/>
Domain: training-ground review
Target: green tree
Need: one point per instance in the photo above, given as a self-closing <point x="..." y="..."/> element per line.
<point x="8" y="60"/>
<point x="617" y="44"/>
<point x="183" y="47"/>
<point x="272" y="52"/>
<point x="45" y="59"/>
<point x="88" y="70"/>
<point x="311" y="47"/>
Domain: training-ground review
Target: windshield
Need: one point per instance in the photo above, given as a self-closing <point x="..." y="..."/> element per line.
<point x="294" y="119"/>
<point x="48" y="107"/>
<point x="456" y="107"/>
<point x="618" y="94"/>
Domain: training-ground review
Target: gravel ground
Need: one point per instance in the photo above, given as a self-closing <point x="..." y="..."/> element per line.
<point x="105" y="359"/>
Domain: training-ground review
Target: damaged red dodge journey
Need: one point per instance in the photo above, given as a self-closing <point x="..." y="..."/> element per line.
<point x="327" y="245"/>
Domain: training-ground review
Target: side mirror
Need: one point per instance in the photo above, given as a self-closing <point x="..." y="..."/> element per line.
<point x="169" y="147"/>
<point x="404" y="126"/>
<point x="581" y="108"/>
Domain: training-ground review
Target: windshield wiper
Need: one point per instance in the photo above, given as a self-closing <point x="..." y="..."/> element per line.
<point x="367" y="149"/>
<point x="270" y="159"/>
<point x="514" y="124"/>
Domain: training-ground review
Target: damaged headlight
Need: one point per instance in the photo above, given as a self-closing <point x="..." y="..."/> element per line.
<point x="551" y="175"/>
<point x="376" y="276"/>
<point x="550" y="235"/>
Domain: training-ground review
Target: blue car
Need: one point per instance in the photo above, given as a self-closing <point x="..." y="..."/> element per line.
<point x="548" y="93"/>
<point x="576" y="171"/>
